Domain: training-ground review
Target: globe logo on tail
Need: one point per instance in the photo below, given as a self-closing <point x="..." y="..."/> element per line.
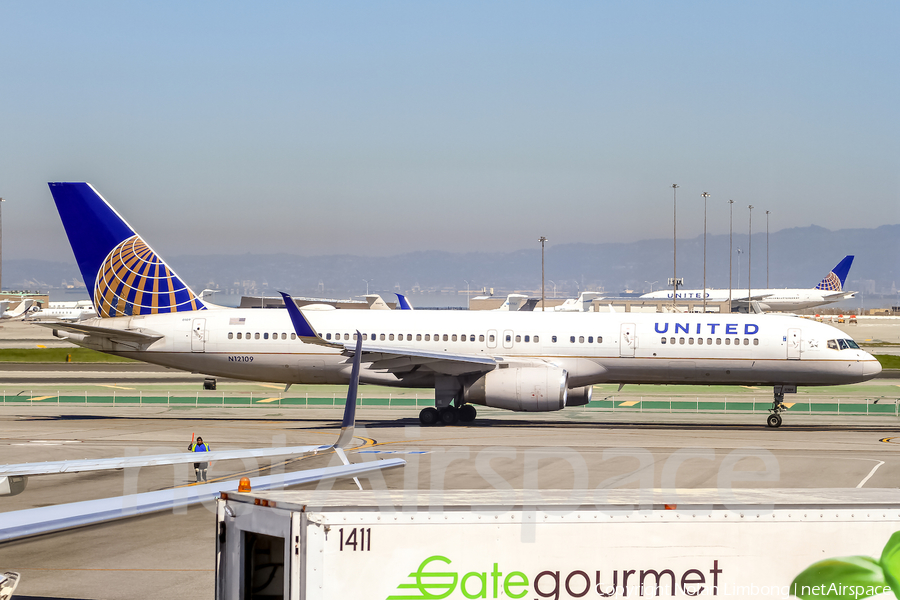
<point x="832" y="283"/>
<point x="133" y="280"/>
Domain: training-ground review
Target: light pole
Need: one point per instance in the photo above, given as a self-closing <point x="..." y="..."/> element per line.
<point x="739" y="252"/>
<point x="674" y="246"/>
<point x="542" y="241"/>
<point x="749" y="256"/>
<point x="651" y="284"/>
<point x="1" y="248"/>
<point x="767" y="249"/>
<point x="367" y="286"/>
<point x="705" y="196"/>
<point x="467" y="293"/>
<point x="730" y="252"/>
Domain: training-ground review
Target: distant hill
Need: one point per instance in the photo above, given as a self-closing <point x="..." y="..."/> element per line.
<point x="799" y="257"/>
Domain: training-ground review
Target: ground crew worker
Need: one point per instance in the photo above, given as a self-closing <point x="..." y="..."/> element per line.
<point x="200" y="468"/>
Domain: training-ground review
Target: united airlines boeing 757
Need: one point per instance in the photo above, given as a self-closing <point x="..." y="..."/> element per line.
<point x="532" y="361"/>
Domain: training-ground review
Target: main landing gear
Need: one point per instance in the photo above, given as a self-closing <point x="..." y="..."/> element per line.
<point x="448" y="415"/>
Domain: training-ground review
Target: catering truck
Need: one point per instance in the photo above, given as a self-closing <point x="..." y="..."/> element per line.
<point x="558" y="544"/>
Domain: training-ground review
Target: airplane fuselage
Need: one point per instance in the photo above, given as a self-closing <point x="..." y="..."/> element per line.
<point x="259" y="345"/>
<point x="770" y="299"/>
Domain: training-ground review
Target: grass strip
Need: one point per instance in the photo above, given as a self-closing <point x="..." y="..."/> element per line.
<point x="57" y="355"/>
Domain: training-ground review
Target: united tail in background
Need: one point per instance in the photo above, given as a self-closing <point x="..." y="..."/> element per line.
<point x="125" y="276"/>
<point x="834" y="282"/>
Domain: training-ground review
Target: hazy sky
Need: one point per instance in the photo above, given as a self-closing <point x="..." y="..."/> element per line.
<point x="386" y="127"/>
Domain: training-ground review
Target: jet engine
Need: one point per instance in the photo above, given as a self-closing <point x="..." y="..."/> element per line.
<point x="532" y="389"/>
<point x="11" y="486"/>
<point x="580" y="396"/>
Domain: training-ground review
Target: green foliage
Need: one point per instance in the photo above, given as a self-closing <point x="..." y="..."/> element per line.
<point x="890" y="562"/>
<point x="57" y="355"/>
<point x="851" y="577"/>
<point x="888" y="361"/>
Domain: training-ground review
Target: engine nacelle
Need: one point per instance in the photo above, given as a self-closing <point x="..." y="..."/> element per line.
<point x="532" y="389"/>
<point x="10" y="486"/>
<point x="580" y="396"/>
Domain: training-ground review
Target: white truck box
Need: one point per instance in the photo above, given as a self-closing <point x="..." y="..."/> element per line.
<point x="554" y="544"/>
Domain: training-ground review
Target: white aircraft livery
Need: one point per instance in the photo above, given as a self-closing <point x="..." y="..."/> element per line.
<point x="523" y="361"/>
<point x="829" y="290"/>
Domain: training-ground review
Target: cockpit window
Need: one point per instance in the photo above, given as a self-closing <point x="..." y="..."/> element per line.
<point x="832" y="344"/>
<point x="843" y="344"/>
<point x="852" y="344"/>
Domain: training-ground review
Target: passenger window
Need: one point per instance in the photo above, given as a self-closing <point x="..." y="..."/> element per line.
<point x="708" y="341"/>
<point x="536" y="340"/>
<point x="508" y="338"/>
<point x="718" y="341"/>
<point x="590" y="339"/>
<point x="737" y="341"/>
<point x="492" y="338"/>
<point x="284" y="336"/>
<point x="663" y="340"/>
<point x="381" y="337"/>
<point x="418" y="337"/>
<point x="681" y="341"/>
<point x="580" y="339"/>
<point x="746" y="341"/>
<point x="239" y="335"/>
<point x="690" y="341"/>
<point x="256" y="336"/>
<point x="527" y="338"/>
<point x="472" y="338"/>
<point x="600" y="340"/>
<point x="571" y="339"/>
<point x="671" y="340"/>
<point x="327" y="336"/>
<point x="346" y="336"/>
<point x="553" y="339"/>
<point x="354" y="337"/>
<point x="700" y="341"/>
<point x="427" y="337"/>
<point x="391" y="337"/>
<point x="230" y="335"/>
<point x="518" y="338"/>
<point x="294" y="336"/>
<point x="445" y="337"/>
<point x="453" y="337"/>
<point x="756" y="341"/>
<point x="481" y="338"/>
<point x="727" y="341"/>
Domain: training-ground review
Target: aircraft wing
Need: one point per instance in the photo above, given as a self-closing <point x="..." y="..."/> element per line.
<point x="34" y="521"/>
<point x="390" y="359"/>
<point x="114" y="335"/>
<point x="127" y="462"/>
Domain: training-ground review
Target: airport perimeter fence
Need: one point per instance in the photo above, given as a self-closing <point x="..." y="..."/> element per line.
<point x="626" y="404"/>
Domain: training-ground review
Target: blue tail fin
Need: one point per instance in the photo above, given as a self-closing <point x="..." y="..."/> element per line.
<point x="403" y="302"/>
<point x="835" y="280"/>
<point x="123" y="274"/>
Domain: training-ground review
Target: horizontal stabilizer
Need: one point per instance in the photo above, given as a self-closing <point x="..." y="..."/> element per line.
<point x="34" y="521"/>
<point x="109" y="333"/>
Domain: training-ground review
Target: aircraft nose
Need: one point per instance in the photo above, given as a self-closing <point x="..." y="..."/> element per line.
<point x="871" y="366"/>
